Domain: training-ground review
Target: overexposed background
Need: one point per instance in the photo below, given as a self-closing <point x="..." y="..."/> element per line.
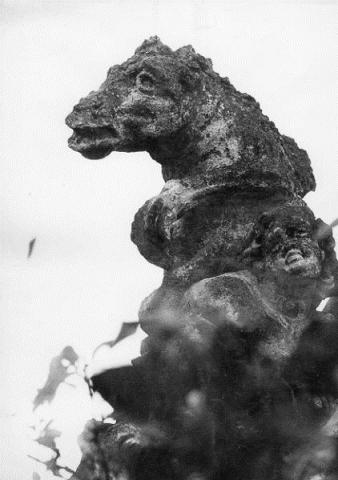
<point x="85" y="276"/>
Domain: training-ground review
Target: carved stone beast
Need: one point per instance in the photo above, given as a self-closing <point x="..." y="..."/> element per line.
<point x="214" y="394"/>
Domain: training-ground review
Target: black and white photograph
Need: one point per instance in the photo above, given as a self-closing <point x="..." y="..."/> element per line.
<point x="169" y="216"/>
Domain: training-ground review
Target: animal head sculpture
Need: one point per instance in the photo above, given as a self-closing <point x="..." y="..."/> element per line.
<point x="192" y="121"/>
<point x="146" y="100"/>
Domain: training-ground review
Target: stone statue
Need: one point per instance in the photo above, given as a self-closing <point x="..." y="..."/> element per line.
<point x="246" y="265"/>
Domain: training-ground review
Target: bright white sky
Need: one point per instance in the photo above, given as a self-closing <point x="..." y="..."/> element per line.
<point x="85" y="275"/>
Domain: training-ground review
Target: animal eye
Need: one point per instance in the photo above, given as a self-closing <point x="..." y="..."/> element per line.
<point x="145" y="82"/>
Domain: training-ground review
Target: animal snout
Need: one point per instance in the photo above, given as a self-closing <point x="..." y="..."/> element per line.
<point x="88" y="112"/>
<point x="89" y="103"/>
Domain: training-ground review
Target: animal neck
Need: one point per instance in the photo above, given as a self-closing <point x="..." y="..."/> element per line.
<point x="174" y="153"/>
<point x="205" y="143"/>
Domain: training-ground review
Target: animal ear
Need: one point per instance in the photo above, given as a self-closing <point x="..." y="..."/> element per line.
<point x="188" y="54"/>
<point x="153" y="45"/>
<point x="186" y="50"/>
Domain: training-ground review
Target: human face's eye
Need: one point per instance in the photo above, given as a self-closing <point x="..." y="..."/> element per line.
<point x="297" y="232"/>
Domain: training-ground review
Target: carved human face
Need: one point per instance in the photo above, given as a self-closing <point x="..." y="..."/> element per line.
<point x="288" y="244"/>
<point x="140" y="102"/>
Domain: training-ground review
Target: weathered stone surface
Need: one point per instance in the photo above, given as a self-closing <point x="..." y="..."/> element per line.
<point x="224" y="162"/>
<point x="227" y="382"/>
<point x="290" y="272"/>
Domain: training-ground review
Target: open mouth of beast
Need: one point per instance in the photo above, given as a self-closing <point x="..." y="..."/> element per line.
<point x="93" y="143"/>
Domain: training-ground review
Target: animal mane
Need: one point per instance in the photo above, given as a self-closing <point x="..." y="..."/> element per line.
<point x="246" y="111"/>
<point x="186" y="54"/>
